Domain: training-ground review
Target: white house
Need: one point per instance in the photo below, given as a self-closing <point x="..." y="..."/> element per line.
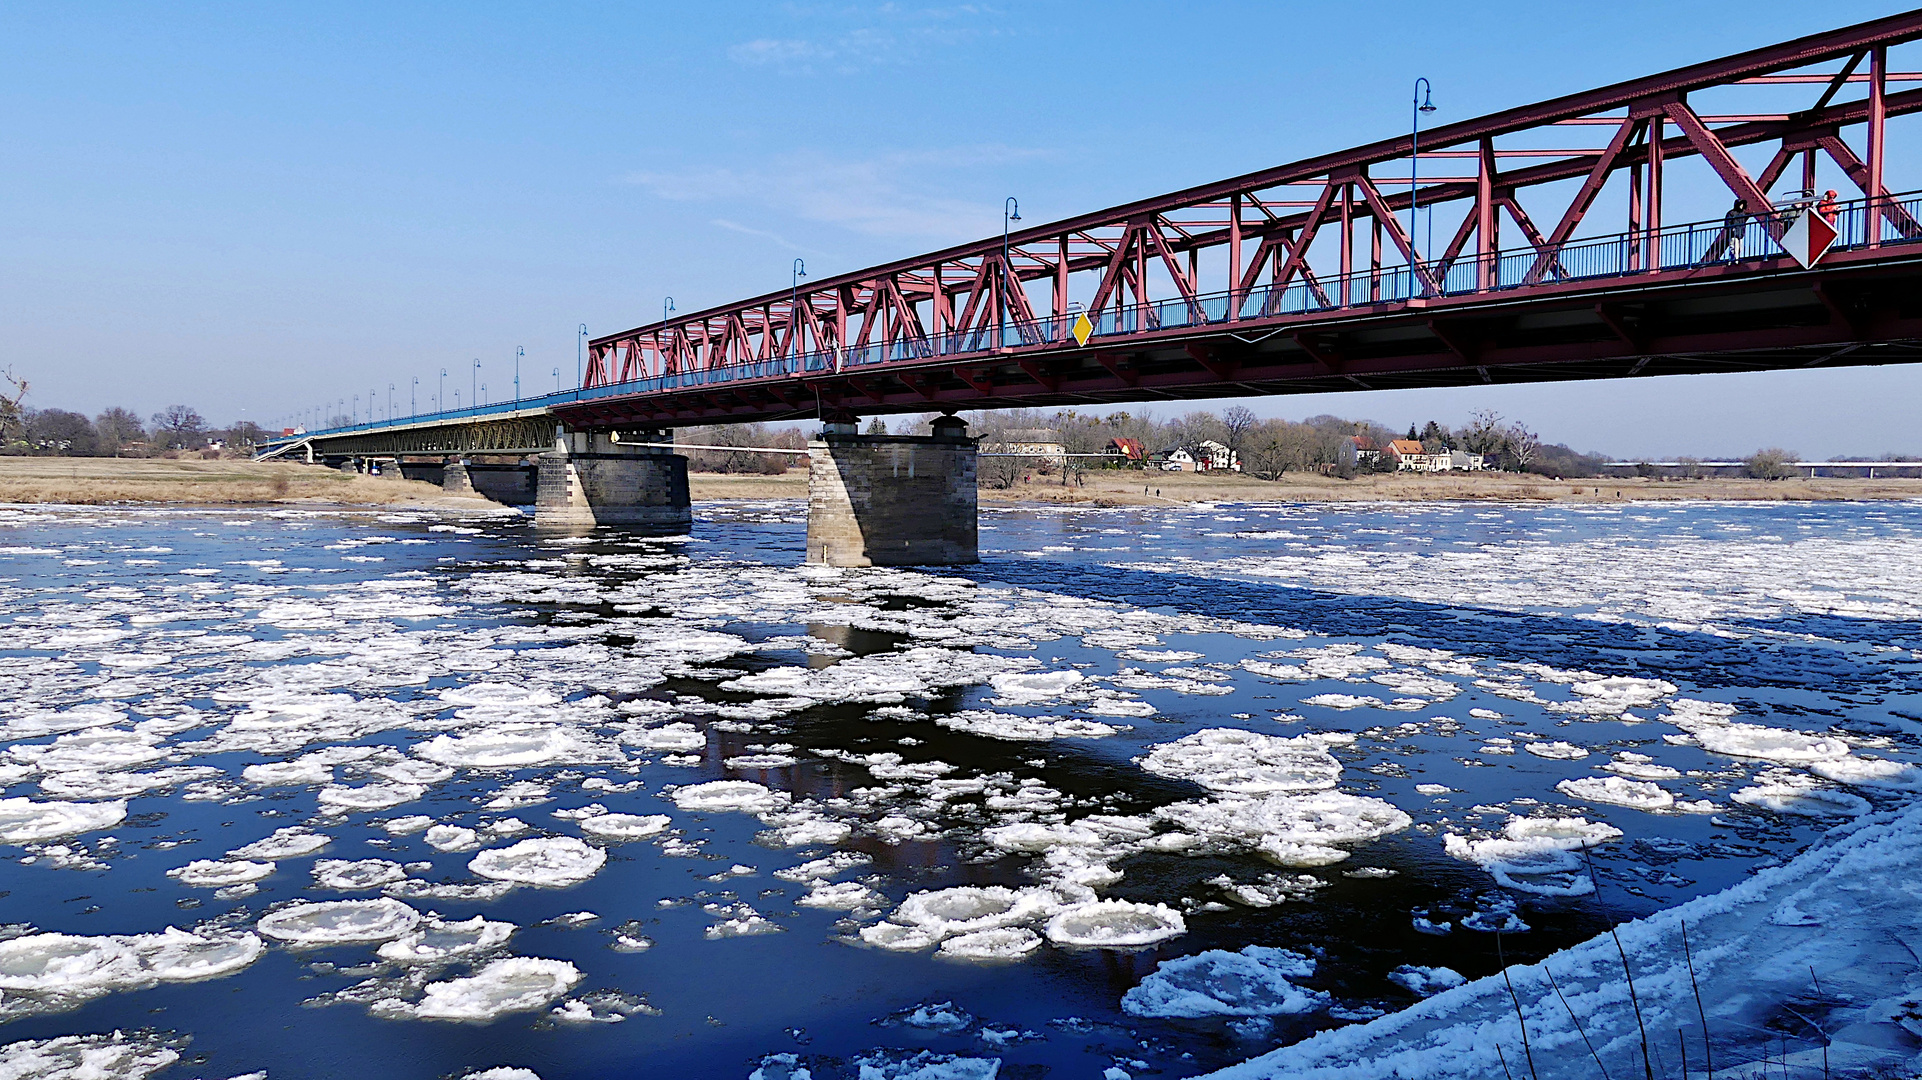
<point x="1176" y="460"/>
<point x="1031" y="442"/>
<point x="1213" y="456"/>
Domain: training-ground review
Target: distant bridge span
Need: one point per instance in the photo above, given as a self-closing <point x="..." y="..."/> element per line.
<point x="1304" y="278"/>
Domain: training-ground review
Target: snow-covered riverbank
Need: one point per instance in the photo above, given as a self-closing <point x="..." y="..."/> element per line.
<point x="1810" y="968"/>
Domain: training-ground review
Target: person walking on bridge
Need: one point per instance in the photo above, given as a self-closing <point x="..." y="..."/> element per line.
<point x="1728" y="243"/>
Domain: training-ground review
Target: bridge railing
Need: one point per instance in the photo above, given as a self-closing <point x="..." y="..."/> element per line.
<point x="1751" y="241"/>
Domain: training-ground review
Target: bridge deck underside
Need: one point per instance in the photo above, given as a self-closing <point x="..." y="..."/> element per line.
<point x="519" y="435"/>
<point x="1856" y="311"/>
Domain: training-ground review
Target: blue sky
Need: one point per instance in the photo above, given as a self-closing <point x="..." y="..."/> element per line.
<point x="255" y="208"/>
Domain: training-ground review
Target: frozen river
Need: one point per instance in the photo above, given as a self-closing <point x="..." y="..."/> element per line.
<point x="333" y="794"/>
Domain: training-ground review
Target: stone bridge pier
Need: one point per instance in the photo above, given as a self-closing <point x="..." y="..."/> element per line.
<point x="589" y="479"/>
<point x="891" y="500"/>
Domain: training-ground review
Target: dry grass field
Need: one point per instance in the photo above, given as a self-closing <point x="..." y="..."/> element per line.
<point x="1130" y="488"/>
<point x="193" y="481"/>
<point x="190" y="482"/>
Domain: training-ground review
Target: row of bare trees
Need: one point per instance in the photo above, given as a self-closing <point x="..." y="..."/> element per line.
<point x="115" y="432"/>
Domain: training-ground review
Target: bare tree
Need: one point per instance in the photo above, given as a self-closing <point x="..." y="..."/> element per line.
<point x="12" y="416"/>
<point x="1484" y="433"/>
<point x="178" y="426"/>
<point x="1772" y="463"/>
<point x="117" y="428"/>
<point x="1236" y="420"/>
<point x="1522" y="444"/>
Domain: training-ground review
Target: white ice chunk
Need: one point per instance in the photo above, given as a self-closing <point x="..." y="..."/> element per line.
<point x="451" y="838"/>
<point x="25" y="821"/>
<point x="1252" y="982"/>
<point x="1115" y="924"/>
<point x="339" y="922"/>
<point x="436" y="941"/>
<point x="1536" y="854"/>
<point x="742" y="796"/>
<point x="549" y="862"/>
<point x="1006" y="943"/>
<point x="518" y="746"/>
<point x="1245" y="762"/>
<point x="288" y="843"/>
<point x="219" y="874"/>
<point x="509" y="985"/>
<point x="1559" y="751"/>
<point x="1425" y="981"/>
<point x="1618" y="791"/>
<point x="350" y="875"/>
<point x="619" y="827"/>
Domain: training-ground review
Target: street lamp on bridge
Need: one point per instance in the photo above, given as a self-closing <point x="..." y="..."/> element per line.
<point x="794" y="309"/>
<point x="580" y="352"/>
<point x="473" y="385"/>
<point x="1010" y="211"/>
<point x="557" y="380"/>
<point x="1422" y="105"/>
<point x="442" y="396"/>
<point x="519" y="351"/>
<point x="413" y="397"/>
<point x="390" y="401"/>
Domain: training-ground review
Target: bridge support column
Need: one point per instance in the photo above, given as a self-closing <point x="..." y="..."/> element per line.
<point x="589" y="479"/>
<point x="454" y="478"/>
<point x="892" y="500"/>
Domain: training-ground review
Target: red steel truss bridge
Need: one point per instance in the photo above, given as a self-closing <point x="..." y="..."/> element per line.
<point x="1551" y="259"/>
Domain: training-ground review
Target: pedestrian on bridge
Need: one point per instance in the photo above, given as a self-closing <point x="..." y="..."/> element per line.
<point x="1828" y="207"/>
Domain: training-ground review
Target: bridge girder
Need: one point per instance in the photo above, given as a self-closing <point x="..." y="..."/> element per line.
<point x="516" y="435"/>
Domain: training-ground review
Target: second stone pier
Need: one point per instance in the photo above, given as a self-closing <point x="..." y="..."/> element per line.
<point x="892" y="500"/>
<point x="592" y="479"/>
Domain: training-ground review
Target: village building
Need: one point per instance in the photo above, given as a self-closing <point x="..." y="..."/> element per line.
<point x="1364" y="450"/>
<point x="1125" y="452"/>
<point x="1410" y="456"/>
<point x="1211" y="456"/>
<point x="1173" y="459"/>
<point x="1030" y="442"/>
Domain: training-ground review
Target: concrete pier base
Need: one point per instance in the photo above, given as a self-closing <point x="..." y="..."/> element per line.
<point x="892" y="500"/>
<point x="454" y="479"/>
<point x="589" y="479"/>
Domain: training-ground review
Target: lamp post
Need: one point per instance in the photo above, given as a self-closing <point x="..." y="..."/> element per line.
<point x="1422" y="104"/>
<point x="413" y="397"/>
<point x="519" y="351"/>
<point x="370" y="404"/>
<point x="1010" y="211"/>
<point x="353" y="415"/>
<point x="473" y="385"/>
<point x="442" y="396"/>
<point x="794" y="308"/>
<point x="580" y="353"/>
<point x="557" y="380"/>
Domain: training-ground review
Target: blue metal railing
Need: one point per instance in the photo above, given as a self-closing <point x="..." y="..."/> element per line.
<point x="1675" y="247"/>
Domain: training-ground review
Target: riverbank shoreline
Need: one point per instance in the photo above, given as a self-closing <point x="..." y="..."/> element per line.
<point x="163" y="482"/>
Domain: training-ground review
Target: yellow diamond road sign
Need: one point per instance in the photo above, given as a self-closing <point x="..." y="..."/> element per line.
<point x="1083" y="329"/>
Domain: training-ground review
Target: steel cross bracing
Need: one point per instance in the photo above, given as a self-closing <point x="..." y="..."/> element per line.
<point x="1303" y="277"/>
<point x="517" y="435"/>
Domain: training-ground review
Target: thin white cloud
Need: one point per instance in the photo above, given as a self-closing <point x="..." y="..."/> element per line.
<point x="777" y="238"/>
<point x="887" y="196"/>
<point x="889" y="34"/>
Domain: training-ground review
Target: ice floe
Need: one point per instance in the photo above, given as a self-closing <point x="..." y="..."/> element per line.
<point x="29" y="821"/>
<point x="1252" y="982"/>
<point x="339" y="922"/>
<point x="1536" y="855"/>
<point x="549" y="862"/>
<point x="1115" y="924"/>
